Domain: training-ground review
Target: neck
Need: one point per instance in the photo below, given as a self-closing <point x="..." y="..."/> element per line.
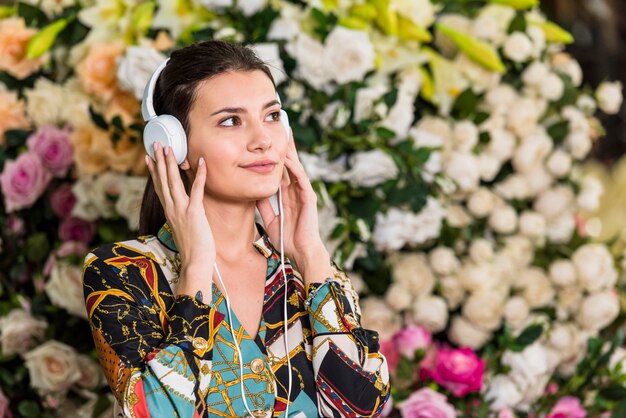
<point x="233" y="227"/>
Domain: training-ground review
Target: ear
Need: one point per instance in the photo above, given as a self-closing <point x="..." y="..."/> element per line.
<point x="185" y="165"/>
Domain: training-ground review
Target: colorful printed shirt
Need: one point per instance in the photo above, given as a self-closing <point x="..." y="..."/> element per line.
<point x="169" y="355"/>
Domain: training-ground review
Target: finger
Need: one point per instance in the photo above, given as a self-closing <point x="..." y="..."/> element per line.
<point x="161" y="170"/>
<point x="266" y="211"/>
<point x="297" y="173"/>
<point x="175" y="183"/>
<point x="154" y="177"/>
<point x="197" y="188"/>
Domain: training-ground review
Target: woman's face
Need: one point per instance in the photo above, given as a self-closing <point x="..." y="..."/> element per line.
<point x="235" y="125"/>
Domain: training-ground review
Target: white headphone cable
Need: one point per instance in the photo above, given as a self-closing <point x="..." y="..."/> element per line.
<point x="286" y="324"/>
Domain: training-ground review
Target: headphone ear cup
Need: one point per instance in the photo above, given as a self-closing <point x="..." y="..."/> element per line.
<point x="285" y="121"/>
<point x="167" y="130"/>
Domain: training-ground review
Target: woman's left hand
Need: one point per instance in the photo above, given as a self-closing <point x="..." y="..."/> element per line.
<point x="303" y="243"/>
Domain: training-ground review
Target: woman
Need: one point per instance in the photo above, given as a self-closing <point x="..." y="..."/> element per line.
<point x="170" y="340"/>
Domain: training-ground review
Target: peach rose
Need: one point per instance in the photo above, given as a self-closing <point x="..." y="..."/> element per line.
<point x="92" y="149"/>
<point x="125" y="105"/>
<point x="12" y="112"/>
<point x="97" y="71"/>
<point x="128" y="155"/>
<point x="14" y="37"/>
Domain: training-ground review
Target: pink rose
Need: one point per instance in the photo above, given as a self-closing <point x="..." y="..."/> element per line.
<point x="15" y="225"/>
<point x="72" y="248"/>
<point x="568" y="407"/>
<point x="389" y="350"/>
<point x="76" y="229"/>
<point x="458" y="370"/>
<point x="23" y="181"/>
<point x="426" y="403"/>
<point x="53" y="146"/>
<point x="5" y="412"/>
<point x="63" y="201"/>
<point x="506" y="413"/>
<point x="411" y="338"/>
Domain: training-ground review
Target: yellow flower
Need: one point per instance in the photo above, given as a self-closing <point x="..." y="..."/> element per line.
<point x="14" y="38"/>
<point x="408" y="30"/>
<point x="42" y="41"/>
<point x="478" y="51"/>
<point x="554" y="33"/>
<point x="517" y="4"/>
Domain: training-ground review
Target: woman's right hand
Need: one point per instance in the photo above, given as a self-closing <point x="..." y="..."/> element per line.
<point x="186" y="216"/>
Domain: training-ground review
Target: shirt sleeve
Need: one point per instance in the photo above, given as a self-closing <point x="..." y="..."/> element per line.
<point x="351" y="374"/>
<point x="157" y="361"/>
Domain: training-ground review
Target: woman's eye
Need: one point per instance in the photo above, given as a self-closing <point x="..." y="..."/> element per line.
<point x="275" y="116"/>
<point x="231" y="121"/>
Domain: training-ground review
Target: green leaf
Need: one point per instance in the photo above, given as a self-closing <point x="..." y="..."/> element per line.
<point x="404" y="369"/>
<point x="98" y="119"/>
<point x="558" y="132"/>
<point x="528" y="336"/>
<point x="37" y="247"/>
<point x="518" y="24"/>
<point x="117" y="122"/>
<point x="465" y="104"/>
<point x="16" y="137"/>
<point x="28" y="408"/>
<point x="615" y="392"/>
<point x="620" y="410"/>
<point x="385" y="133"/>
<point x="391" y="97"/>
<point x="32" y="15"/>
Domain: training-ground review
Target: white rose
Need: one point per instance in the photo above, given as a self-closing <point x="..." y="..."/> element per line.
<point x="421" y="12"/>
<point x="269" y="53"/>
<point x="136" y="66"/>
<point x="371" y="168"/>
<point x="554" y="202"/>
<point x="38" y="101"/>
<point x="481" y="250"/>
<point x="561" y="229"/>
<point x="307" y="52"/>
<point x="609" y="96"/>
<point x="412" y="271"/>
<point x="426" y="224"/>
<point x="481" y="78"/>
<point x="457" y="217"/>
<point x="617" y="362"/>
<point x="500" y="99"/>
<point x="552" y="87"/>
<point x="431" y="312"/>
<point x="464" y="333"/>
<point x="578" y="122"/>
<point x="587" y="104"/>
<point x="51" y="7"/>
<point x="578" y="144"/>
<point x="400" y="116"/>
<point x="378" y="316"/>
<point x="492" y="23"/>
<point x="528" y="367"/>
<point x="52" y="367"/>
<point x="390" y="230"/>
<point x="502" y="144"/>
<point x="595" y="267"/>
<point x="465" y="136"/>
<point x="463" y="169"/>
<point x="443" y="261"/>
<point x="538" y="39"/>
<point x="568" y="301"/>
<point x="563" y="337"/>
<point x="513" y="187"/>
<point x="563" y="273"/>
<point x="364" y="101"/>
<point x="532" y="152"/>
<point x="519" y="249"/>
<point x="589" y="197"/>
<point x="128" y="204"/>
<point x="484" y="309"/>
<point x="65" y="288"/>
<point x="489" y="166"/>
<point x="19" y="330"/>
<point x="477" y="277"/>
<point x="523" y="116"/>
<point x="503" y="219"/>
<point x="532" y="224"/>
<point x="564" y="63"/>
<point x="502" y="392"/>
<point x="518" y="47"/>
<point x="535" y="73"/>
<point x="91" y="375"/>
<point x="481" y="202"/>
<point x="598" y="310"/>
<point x="452" y="291"/>
<point x="250" y="7"/>
<point x="516" y="311"/>
<point x="318" y="167"/>
<point x="538" y="290"/>
<point x="287" y="25"/>
<point x="398" y="297"/>
<point x="538" y="180"/>
<point x="348" y="55"/>
<point x="559" y="163"/>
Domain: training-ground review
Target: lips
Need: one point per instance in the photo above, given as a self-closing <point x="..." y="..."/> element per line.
<point x="262" y="166"/>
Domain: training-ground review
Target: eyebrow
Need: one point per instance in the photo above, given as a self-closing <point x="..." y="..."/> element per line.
<point x="242" y="110"/>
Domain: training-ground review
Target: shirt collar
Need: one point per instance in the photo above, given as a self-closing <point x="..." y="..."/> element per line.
<point x="263" y="244"/>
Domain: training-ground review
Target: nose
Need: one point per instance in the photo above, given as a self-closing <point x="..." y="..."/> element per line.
<point x="260" y="137"/>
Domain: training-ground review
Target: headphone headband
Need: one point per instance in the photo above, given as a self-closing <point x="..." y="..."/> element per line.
<point x="147" y="108"/>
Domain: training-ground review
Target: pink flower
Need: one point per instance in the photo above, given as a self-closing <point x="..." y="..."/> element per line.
<point x="53" y="146"/>
<point x="506" y="413"/>
<point x="411" y="338"/>
<point x="5" y="412"/>
<point x="72" y="248"/>
<point x="23" y="181"/>
<point x="389" y="350"/>
<point x="458" y="370"/>
<point x="568" y="407"/>
<point x="426" y="403"/>
<point x="76" y="229"/>
<point x="63" y="201"/>
<point x="15" y="225"/>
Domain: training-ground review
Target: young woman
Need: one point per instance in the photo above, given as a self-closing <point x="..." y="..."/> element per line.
<point x="191" y="318"/>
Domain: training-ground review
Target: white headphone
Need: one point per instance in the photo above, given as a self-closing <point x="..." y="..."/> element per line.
<point x="167" y="130"/>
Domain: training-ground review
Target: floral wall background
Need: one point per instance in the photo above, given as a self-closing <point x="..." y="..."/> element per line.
<point x="444" y="138"/>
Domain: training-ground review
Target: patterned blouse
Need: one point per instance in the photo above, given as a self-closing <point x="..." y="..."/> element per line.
<point x="169" y="355"/>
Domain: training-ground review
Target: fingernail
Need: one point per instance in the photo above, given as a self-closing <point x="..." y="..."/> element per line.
<point x="167" y="149"/>
<point x="155" y="145"/>
<point x="201" y="162"/>
<point x="147" y="161"/>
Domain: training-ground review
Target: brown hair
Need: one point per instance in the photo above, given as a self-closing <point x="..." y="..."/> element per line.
<point x="175" y="93"/>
